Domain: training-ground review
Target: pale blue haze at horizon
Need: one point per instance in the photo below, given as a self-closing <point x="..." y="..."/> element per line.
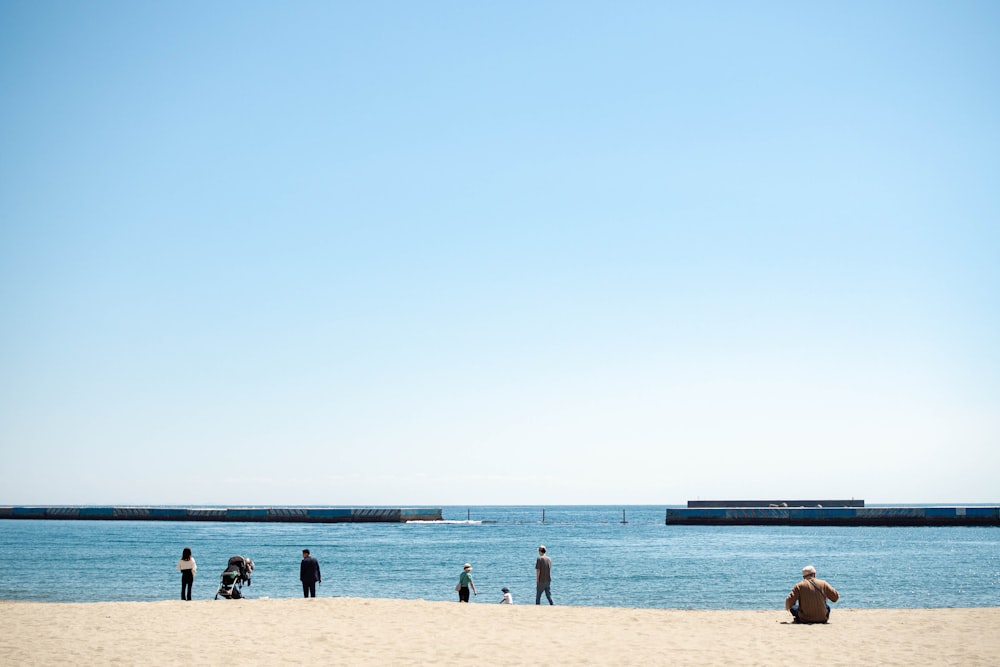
<point x="529" y="253"/>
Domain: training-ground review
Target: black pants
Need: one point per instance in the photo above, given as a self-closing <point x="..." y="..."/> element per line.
<point x="308" y="589"/>
<point x="463" y="594"/>
<point x="187" y="579"/>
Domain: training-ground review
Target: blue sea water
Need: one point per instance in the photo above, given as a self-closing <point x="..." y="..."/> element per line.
<point x="597" y="559"/>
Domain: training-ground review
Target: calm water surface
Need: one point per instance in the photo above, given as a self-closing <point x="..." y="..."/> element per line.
<point x="597" y="560"/>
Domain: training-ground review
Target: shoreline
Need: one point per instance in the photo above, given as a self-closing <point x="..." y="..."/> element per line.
<point x="389" y="631"/>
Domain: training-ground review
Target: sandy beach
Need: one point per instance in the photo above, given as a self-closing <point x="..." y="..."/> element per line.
<point x="351" y="631"/>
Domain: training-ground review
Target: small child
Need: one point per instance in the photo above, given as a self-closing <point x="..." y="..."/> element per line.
<point x="507" y="599"/>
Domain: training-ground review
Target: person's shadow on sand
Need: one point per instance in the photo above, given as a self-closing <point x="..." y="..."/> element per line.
<point x="800" y="623"/>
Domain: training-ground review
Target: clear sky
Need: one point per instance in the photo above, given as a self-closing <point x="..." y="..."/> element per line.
<point x="435" y="253"/>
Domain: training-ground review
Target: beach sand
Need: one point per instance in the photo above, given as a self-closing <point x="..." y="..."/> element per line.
<point x="351" y="631"/>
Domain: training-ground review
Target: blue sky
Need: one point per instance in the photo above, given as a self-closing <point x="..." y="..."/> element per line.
<point x="498" y="253"/>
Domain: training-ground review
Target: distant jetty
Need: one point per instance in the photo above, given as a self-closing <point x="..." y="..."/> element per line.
<point x="776" y="503"/>
<point x="230" y="514"/>
<point x="825" y="513"/>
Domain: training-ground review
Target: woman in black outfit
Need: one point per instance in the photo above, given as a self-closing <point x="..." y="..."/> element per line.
<point x="188" y="567"/>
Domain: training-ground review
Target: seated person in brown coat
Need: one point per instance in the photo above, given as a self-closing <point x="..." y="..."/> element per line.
<point x="807" y="601"/>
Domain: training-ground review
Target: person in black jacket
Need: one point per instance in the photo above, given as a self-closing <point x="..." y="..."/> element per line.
<point x="309" y="574"/>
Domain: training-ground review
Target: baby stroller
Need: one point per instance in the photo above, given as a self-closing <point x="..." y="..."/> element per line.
<point x="237" y="573"/>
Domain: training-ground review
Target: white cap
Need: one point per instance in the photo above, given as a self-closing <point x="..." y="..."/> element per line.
<point x="808" y="569"/>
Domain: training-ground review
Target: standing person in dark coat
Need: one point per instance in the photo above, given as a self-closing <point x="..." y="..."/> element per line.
<point x="309" y="574"/>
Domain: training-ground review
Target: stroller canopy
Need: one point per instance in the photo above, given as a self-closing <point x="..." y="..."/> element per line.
<point x="237" y="573"/>
<point x="239" y="568"/>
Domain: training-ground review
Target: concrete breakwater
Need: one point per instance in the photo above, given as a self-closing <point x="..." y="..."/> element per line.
<point x="231" y="514"/>
<point x="776" y="503"/>
<point x="835" y="516"/>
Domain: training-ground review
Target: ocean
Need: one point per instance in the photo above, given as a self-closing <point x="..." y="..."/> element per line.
<point x="597" y="559"/>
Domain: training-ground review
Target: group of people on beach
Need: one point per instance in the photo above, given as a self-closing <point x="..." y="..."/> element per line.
<point x="309" y="573"/>
<point x="807" y="602"/>
<point x="543" y="581"/>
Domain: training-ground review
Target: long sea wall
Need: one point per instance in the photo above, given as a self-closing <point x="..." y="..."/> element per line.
<point x="775" y="503"/>
<point x="835" y="516"/>
<point x="233" y="514"/>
